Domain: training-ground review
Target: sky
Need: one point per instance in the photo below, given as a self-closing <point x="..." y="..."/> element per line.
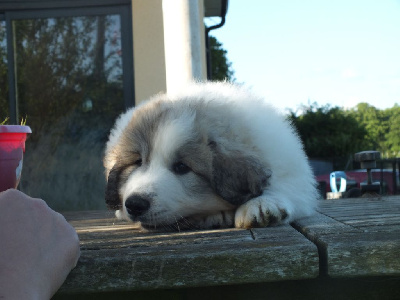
<point x="294" y="52"/>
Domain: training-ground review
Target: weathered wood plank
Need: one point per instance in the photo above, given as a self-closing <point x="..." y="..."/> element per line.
<point x="119" y="256"/>
<point x="347" y="238"/>
<point x="363" y="254"/>
<point x="355" y="244"/>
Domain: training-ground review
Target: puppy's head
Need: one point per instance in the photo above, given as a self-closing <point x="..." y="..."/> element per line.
<point x="169" y="164"/>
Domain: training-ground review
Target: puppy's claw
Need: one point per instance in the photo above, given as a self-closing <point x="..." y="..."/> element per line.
<point x="223" y="219"/>
<point x="259" y="213"/>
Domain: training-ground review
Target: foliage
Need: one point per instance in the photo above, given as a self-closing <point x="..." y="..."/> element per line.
<point x="329" y="132"/>
<point x="221" y="68"/>
<point x="3" y="74"/>
<point x="68" y="73"/>
<point x="382" y="126"/>
<point x="4" y="122"/>
<point x="393" y="133"/>
<point x="62" y="66"/>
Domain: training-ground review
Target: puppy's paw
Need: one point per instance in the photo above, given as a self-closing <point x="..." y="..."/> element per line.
<point x="259" y="212"/>
<point x="222" y="219"/>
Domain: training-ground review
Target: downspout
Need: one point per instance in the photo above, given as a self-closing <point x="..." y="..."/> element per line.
<point x="224" y="9"/>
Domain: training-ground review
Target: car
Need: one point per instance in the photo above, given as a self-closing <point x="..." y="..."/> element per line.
<point x="389" y="182"/>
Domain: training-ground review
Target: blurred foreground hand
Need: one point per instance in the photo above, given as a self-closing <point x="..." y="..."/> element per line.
<point x="38" y="247"/>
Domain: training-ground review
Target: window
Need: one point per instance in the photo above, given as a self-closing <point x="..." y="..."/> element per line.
<point x="72" y="76"/>
<point x="4" y="113"/>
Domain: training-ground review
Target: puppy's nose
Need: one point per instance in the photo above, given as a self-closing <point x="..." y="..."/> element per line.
<point x="137" y="205"/>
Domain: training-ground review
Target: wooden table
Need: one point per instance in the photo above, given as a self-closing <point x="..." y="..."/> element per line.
<point x="347" y="240"/>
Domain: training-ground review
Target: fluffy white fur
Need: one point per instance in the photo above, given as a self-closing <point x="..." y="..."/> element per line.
<point x="247" y="167"/>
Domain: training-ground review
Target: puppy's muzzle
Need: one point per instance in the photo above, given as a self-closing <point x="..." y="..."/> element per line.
<point x="137" y="205"/>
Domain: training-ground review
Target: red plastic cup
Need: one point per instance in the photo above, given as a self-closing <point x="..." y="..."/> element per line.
<point x="12" y="148"/>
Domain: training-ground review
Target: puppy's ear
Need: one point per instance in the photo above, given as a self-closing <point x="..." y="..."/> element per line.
<point x="113" y="199"/>
<point x="237" y="177"/>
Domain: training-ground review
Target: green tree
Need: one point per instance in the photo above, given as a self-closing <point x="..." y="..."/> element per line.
<point x="392" y="136"/>
<point x="382" y="126"/>
<point x="221" y="68"/>
<point x="3" y="74"/>
<point x="63" y="62"/>
<point x="375" y="124"/>
<point x="69" y="85"/>
<point x="328" y="132"/>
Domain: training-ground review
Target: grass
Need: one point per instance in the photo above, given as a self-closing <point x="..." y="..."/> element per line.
<point x="23" y="121"/>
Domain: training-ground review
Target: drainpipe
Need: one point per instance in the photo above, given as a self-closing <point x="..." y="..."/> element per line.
<point x="224" y="9"/>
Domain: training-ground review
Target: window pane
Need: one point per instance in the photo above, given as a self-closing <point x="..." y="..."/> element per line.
<point x="4" y="113"/>
<point x="69" y="87"/>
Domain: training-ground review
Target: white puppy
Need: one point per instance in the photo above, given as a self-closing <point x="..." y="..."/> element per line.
<point x="214" y="155"/>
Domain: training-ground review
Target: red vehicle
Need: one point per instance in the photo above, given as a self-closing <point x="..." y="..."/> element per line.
<point x="388" y="182"/>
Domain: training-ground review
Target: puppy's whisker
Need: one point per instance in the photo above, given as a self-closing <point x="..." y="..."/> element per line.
<point x="177" y="224"/>
<point x="152" y="220"/>
<point x="187" y="223"/>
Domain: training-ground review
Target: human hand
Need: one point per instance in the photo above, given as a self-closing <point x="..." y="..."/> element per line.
<point x="38" y="247"/>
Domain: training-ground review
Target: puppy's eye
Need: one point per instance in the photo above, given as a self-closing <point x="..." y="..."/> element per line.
<point x="138" y="162"/>
<point x="180" y="168"/>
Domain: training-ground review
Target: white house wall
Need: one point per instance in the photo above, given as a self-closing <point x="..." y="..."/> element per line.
<point x="148" y="48"/>
<point x="168" y="45"/>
